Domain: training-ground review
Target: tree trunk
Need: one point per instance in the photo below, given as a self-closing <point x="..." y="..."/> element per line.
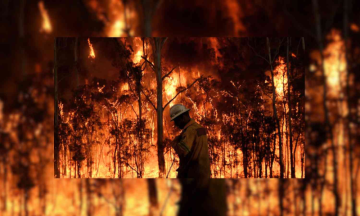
<point x="224" y="159"/>
<point x="273" y="157"/>
<point x="244" y="150"/>
<point x="153" y="197"/>
<point x="159" y="110"/>
<point x="78" y="167"/>
<point x="253" y="157"/>
<point x="56" y="133"/>
<point x="274" y="110"/>
<point x="140" y="131"/>
<point x="289" y="105"/>
<point x="76" y="57"/>
<point x="141" y="170"/>
<point x="81" y="196"/>
<point x="281" y="195"/>
<point x="4" y="161"/>
<point x="351" y="146"/>
<point x="147" y="14"/>
<point x="326" y="111"/>
<point x="22" y="37"/>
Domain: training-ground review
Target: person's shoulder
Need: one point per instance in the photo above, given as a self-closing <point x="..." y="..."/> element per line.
<point x="198" y="129"/>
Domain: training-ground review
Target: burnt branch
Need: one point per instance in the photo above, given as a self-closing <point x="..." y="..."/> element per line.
<point x="147" y="97"/>
<point x="296" y="22"/>
<point x="277" y="51"/>
<point x="166" y="75"/>
<point x="163" y="42"/>
<point x="181" y="92"/>
<point x="132" y="168"/>
<point x="108" y="201"/>
<point x="257" y="54"/>
<point x="150" y="63"/>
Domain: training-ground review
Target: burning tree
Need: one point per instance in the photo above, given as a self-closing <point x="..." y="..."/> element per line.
<point x="340" y="37"/>
<point x="108" y="127"/>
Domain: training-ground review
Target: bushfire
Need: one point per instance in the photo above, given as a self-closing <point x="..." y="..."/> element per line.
<point x="109" y="127"/>
<point x="92" y="53"/>
<point x="46" y="26"/>
<point x="27" y="110"/>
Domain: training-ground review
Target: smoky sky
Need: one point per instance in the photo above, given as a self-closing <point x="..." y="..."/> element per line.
<point x="188" y="52"/>
<point x="181" y="17"/>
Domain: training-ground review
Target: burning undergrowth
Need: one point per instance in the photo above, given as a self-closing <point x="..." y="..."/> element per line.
<point x="108" y="126"/>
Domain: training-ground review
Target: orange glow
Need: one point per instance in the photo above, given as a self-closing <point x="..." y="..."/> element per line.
<point x="115" y="116"/>
<point x="236" y="15"/>
<point x="92" y="53"/>
<point x="214" y="43"/>
<point x="354" y="27"/>
<point x="112" y="14"/>
<point x="46" y="26"/>
<point x="280" y="77"/>
<point x="116" y="29"/>
<point x="334" y="63"/>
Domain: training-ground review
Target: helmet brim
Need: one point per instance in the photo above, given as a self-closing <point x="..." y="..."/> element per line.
<point x="177" y="115"/>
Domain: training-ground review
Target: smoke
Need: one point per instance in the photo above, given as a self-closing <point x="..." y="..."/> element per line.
<point x="201" y="18"/>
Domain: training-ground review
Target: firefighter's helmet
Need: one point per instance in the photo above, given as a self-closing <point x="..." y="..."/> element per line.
<point x="177" y="110"/>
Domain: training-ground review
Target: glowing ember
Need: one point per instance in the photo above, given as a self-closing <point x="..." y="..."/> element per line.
<point x="46" y="27"/>
<point x="92" y="53"/>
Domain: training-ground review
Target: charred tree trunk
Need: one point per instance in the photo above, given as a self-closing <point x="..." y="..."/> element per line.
<point x="140" y="173"/>
<point x="56" y="133"/>
<point x="26" y="201"/>
<point x="326" y="111"/>
<point x="157" y="54"/>
<point x="267" y="157"/>
<point x="138" y="90"/>
<point x="147" y="16"/>
<point x="22" y="37"/>
<point x="153" y="197"/>
<point x="289" y="105"/>
<point x="81" y="195"/>
<point x="224" y="158"/>
<point x="274" y="110"/>
<point x="78" y="168"/>
<point x="273" y="157"/>
<point x="76" y="57"/>
<point x="349" y="119"/>
<point x="148" y="9"/>
<point x="244" y="150"/>
<point x="4" y="181"/>
<point x="302" y="163"/>
<point x="281" y="195"/>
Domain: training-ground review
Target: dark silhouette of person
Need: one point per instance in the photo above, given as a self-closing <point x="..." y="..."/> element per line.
<point x="200" y="195"/>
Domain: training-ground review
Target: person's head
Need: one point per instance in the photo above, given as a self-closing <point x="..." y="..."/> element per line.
<point x="180" y="115"/>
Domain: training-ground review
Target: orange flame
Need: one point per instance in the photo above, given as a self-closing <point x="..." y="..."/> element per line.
<point x="92" y="53"/>
<point x="46" y="27"/>
<point x="116" y="29"/>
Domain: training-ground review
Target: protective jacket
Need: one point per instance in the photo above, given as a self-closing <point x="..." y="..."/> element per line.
<point x="192" y="148"/>
<point x="200" y="195"/>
